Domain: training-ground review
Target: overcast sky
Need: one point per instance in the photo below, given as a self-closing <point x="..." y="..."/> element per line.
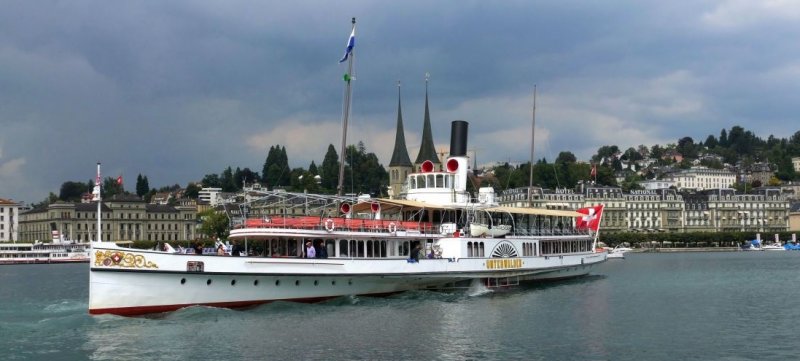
<point x="175" y="90"/>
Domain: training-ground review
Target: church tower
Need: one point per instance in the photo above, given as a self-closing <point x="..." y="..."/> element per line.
<point x="400" y="165"/>
<point x="427" y="151"/>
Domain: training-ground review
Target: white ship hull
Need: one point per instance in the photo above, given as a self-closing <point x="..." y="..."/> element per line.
<point x="127" y="286"/>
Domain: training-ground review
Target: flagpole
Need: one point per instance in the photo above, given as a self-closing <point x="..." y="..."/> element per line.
<point x="99" y="199"/>
<point x="533" y="139"/>
<point x="346" y="114"/>
<point x="597" y="233"/>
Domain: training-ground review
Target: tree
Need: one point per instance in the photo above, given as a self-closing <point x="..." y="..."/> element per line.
<point x="214" y="224"/>
<point x="606" y="152"/>
<point x="245" y="176"/>
<point x="566" y="158"/>
<point x="228" y="182"/>
<point x="192" y="191"/>
<point x="142" y="185"/>
<point x="211" y="181"/>
<point x="686" y="148"/>
<point x="711" y="142"/>
<point x="276" y="167"/>
<point x="72" y="191"/>
<point x="330" y="170"/>
<point x="643" y="151"/>
<point x="363" y="172"/>
<point x="657" y="152"/>
<point x="111" y="187"/>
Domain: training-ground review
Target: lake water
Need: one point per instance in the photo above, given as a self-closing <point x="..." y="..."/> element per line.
<point x="684" y="306"/>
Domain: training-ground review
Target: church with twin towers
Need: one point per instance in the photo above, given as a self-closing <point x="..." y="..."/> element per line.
<point x="400" y="166"/>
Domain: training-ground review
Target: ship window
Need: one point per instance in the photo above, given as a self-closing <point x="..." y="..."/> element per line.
<point x="431" y="182"/>
<point x="439" y="180"/>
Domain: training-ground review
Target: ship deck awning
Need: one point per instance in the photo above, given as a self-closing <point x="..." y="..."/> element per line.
<point x="388" y="205"/>
<point x="535" y="211"/>
<point x="397" y="204"/>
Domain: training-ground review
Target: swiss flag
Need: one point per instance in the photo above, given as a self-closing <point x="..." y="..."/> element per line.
<point x="119" y="180"/>
<point x="593" y="173"/>
<point x="591" y="220"/>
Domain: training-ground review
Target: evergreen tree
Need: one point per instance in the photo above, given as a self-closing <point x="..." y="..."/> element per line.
<point x="228" y="182"/>
<point x="312" y="168"/>
<point x="330" y="170"/>
<point x="723" y="138"/>
<point x="711" y="142"/>
<point x="142" y="185"/>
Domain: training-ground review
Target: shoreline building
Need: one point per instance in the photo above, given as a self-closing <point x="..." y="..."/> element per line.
<point x="125" y="218"/>
<point x="701" y="178"/>
<point x="9" y="220"/>
<point x="766" y="209"/>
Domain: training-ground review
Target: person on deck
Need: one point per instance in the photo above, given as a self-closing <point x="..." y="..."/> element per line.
<point x="236" y="249"/>
<point x="198" y="249"/>
<point x="310" y="252"/>
<point x="323" y="250"/>
<point x="414" y="257"/>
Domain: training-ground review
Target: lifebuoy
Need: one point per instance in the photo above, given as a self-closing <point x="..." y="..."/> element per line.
<point x="392" y="228"/>
<point x="329" y="225"/>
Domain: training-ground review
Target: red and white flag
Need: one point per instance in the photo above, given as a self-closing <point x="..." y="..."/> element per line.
<point x="591" y="220"/>
<point x="119" y="180"/>
<point x="593" y="173"/>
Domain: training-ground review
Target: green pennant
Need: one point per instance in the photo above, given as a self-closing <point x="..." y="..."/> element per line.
<point x="346" y="77"/>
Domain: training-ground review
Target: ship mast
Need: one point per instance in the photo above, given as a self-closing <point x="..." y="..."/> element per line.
<point x="533" y="132"/>
<point x="346" y="111"/>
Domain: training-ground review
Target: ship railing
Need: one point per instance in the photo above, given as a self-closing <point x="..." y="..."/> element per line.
<point x="334" y="224"/>
<point x="523" y="232"/>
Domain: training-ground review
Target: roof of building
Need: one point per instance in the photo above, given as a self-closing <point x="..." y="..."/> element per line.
<point x="400" y="156"/>
<point x="160" y="208"/>
<point x="427" y="151"/>
<point x="91" y="207"/>
<point x="8" y="202"/>
<point x="124" y="198"/>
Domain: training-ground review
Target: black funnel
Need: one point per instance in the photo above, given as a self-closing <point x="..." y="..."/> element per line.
<point x="458" y="138"/>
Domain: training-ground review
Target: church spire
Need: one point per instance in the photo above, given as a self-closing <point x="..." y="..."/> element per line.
<point x="400" y="156"/>
<point x="427" y="151"/>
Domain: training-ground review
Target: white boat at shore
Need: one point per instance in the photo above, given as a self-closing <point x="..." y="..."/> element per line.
<point x="60" y="250"/>
<point x="773" y="247"/>
<point x="27" y="253"/>
<point x="618" y="252"/>
<point x="371" y="249"/>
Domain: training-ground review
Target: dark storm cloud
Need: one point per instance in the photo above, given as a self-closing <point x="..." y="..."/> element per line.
<point x="175" y="90"/>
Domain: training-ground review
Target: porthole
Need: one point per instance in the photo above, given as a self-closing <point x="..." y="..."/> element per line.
<point x="316" y="282"/>
<point x="333" y="283"/>
<point x="183" y="280"/>
<point x="350" y="282"/>
<point x="233" y="282"/>
<point x="297" y="282"/>
<point x="208" y="282"/>
<point x="277" y="282"/>
<point x="255" y="283"/>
